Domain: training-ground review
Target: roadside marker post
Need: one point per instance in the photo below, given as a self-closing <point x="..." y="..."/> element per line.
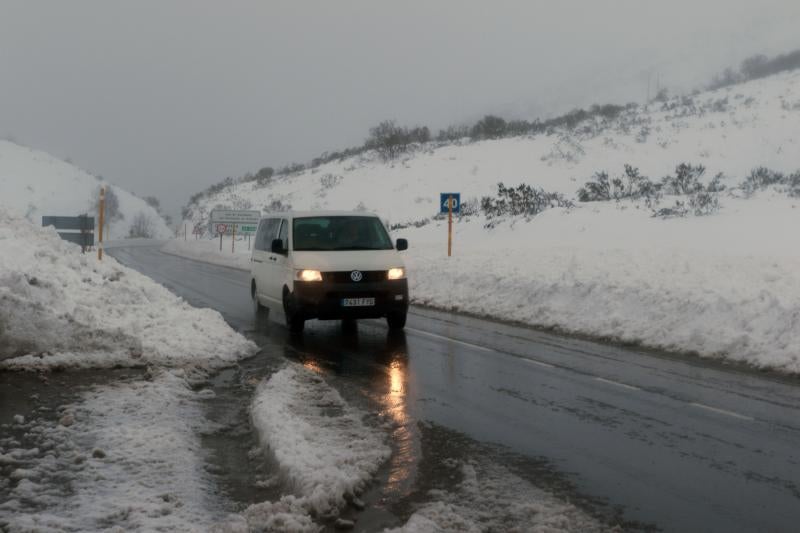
<point x="449" y="202"/>
<point x="449" y="225"/>
<point x="101" y="217"/>
<point x="233" y="238"/>
<point x="185" y="231"/>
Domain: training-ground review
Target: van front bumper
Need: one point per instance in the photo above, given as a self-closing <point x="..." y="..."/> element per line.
<point x="323" y="299"/>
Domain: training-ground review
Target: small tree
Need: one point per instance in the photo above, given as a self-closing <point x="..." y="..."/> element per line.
<point x="388" y="139"/>
<point x="489" y="127"/>
<point x="264" y="175"/>
<point x="142" y="227"/>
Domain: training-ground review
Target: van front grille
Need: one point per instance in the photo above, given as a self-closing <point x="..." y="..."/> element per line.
<point x="369" y="276"/>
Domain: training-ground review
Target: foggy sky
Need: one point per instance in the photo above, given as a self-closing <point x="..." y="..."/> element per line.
<point x="166" y="97"/>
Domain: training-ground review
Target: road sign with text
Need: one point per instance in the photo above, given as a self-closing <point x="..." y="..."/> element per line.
<point x="449" y="197"/>
<point x="233" y="217"/>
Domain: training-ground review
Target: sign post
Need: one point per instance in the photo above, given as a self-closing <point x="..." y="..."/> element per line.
<point x="233" y="238"/>
<point x="449" y="202"/>
<point x="221" y="229"/>
<point x="101" y="216"/>
<point x="79" y="230"/>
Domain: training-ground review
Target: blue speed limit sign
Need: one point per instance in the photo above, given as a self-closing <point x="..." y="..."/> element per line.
<point x="448" y="198"/>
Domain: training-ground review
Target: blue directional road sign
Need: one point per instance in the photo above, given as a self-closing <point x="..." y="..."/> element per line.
<point x="443" y="200"/>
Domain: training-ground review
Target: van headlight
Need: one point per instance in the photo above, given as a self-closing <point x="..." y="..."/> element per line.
<point x="397" y="273"/>
<point x="308" y="275"/>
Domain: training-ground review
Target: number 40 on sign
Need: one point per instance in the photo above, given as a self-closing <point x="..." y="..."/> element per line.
<point x="449" y="202"/>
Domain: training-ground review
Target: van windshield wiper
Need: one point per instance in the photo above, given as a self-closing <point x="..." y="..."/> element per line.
<point x="349" y="248"/>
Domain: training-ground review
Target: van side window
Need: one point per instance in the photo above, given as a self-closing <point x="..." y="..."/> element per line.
<point x="284" y="235"/>
<point x="266" y="232"/>
<point x="259" y="235"/>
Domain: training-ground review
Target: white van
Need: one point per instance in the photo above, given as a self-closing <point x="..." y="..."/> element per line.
<point x="328" y="265"/>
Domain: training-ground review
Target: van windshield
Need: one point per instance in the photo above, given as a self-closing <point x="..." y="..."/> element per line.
<point x="339" y="233"/>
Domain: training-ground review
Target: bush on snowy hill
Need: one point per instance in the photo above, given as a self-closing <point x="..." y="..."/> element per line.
<point x="694" y="196"/>
<point x="761" y="178"/>
<point x="522" y="200"/>
<point x="59" y="308"/>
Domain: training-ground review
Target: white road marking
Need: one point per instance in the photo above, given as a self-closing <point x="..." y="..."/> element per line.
<point x="617" y="383"/>
<point x="442" y="337"/>
<point x="540" y="363"/>
<point x="722" y="411"/>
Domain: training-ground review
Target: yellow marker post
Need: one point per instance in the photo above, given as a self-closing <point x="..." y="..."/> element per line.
<point x="449" y="225"/>
<point x="101" y="217"/>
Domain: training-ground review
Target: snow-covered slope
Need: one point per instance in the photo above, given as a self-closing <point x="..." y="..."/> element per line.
<point x="35" y="183"/>
<point x="720" y="285"/>
<point x="731" y="130"/>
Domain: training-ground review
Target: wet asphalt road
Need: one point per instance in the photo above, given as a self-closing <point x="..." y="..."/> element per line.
<point x="640" y="439"/>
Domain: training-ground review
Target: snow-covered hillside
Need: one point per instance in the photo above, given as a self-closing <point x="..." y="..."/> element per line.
<point x="34" y="184"/>
<point x="730" y="130"/>
<point x="720" y="285"/>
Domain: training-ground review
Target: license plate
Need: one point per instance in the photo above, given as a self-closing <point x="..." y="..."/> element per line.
<point x="358" y="302"/>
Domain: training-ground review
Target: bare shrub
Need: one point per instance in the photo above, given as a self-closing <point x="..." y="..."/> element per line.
<point x="142" y="227"/>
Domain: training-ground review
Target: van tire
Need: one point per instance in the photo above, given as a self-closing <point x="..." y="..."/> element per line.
<point x="294" y="321"/>
<point x="396" y="321"/>
<point x="258" y="309"/>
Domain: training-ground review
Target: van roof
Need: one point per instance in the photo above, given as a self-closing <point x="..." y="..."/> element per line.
<point x="302" y="214"/>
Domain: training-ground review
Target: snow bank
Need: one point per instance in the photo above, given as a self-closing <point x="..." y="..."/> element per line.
<point x="726" y="285"/>
<point x="59" y="308"/>
<point x="126" y="457"/>
<point x="36" y="184"/>
<point x="320" y="441"/>
<point x="491" y="498"/>
<point x="208" y="251"/>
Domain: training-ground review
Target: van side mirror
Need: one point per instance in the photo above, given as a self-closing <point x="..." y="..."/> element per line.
<point x="402" y="244"/>
<point x="277" y="246"/>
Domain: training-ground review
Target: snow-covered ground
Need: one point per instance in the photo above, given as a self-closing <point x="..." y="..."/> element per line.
<point x="34" y="184"/>
<point x="322" y="444"/>
<point x="726" y="285"/>
<point x="126" y="457"/>
<point x="207" y="250"/>
<point x="62" y="308"/>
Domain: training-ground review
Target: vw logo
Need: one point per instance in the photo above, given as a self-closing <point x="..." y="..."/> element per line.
<point x="356" y="275"/>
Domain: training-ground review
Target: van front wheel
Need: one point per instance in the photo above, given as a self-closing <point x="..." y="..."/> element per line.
<point x="258" y="309"/>
<point x="396" y="320"/>
<point x="294" y="321"/>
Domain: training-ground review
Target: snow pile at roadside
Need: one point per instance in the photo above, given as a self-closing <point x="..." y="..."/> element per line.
<point x="36" y="184"/>
<point x="126" y="456"/>
<point x="725" y="285"/>
<point x="491" y="498"/>
<point x="322" y="444"/>
<point x="208" y="251"/>
<point x="59" y="307"/>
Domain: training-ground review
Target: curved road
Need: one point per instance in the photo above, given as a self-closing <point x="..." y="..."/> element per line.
<point x="640" y="439"/>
